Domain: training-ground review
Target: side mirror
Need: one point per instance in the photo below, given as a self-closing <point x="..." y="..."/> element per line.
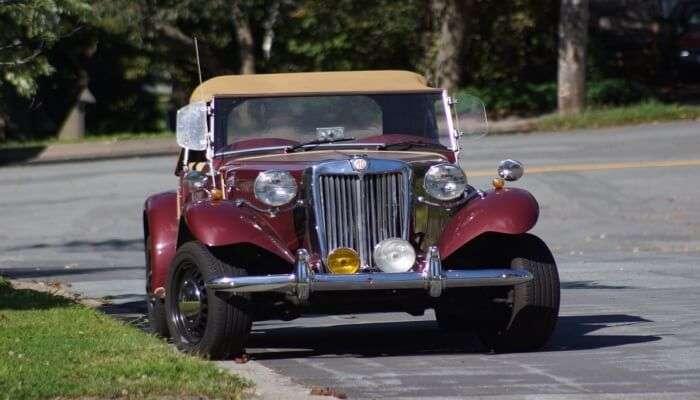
<point x="192" y="126"/>
<point x="470" y="117"/>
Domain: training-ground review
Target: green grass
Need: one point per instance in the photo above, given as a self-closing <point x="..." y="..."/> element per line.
<point x="16" y="144"/>
<point x="52" y="347"/>
<point x="648" y="112"/>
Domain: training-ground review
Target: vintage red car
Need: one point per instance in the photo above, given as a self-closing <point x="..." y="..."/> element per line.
<point x="339" y="192"/>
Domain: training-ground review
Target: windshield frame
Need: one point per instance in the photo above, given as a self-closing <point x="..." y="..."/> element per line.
<point x="217" y="124"/>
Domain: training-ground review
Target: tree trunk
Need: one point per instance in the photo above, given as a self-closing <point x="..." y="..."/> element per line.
<point x="448" y="37"/>
<point x="573" y="38"/>
<point x="245" y="39"/>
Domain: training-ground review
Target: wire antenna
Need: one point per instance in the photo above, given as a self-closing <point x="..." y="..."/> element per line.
<point x="196" y="52"/>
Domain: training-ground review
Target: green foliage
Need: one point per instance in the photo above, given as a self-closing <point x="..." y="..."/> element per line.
<point x="352" y="34"/>
<point x="513" y="41"/>
<point x="508" y="98"/>
<point x="51" y="347"/>
<point x="529" y="99"/>
<point x="29" y="29"/>
<point x="609" y="92"/>
<point x="137" y="58"/>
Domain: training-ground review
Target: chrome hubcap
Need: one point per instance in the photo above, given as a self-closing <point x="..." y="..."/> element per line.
<point x="191" y="306"/>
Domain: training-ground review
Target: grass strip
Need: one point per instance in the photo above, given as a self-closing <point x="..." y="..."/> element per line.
<point x="53" y="347"/>
<point x="643" y="113"/>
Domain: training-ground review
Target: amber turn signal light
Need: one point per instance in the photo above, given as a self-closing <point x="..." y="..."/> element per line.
<point x="343" y="261"/>
<point x="498" y="183"/>
<point x="216" y="194"/>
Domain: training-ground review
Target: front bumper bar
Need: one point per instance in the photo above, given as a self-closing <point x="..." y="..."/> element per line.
<point x="433" y="279"/>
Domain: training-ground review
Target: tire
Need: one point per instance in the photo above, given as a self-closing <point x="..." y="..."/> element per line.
<point x="157" y="322"/>
<point x="530" y="322"/>
<point x="211" y="325"/>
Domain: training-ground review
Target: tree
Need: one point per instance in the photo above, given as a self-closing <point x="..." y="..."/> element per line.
<point x="246" y="44"/>
<point x="445" y="43"/>
<point x="573" y="38"/>
<point x="29" y="31"/>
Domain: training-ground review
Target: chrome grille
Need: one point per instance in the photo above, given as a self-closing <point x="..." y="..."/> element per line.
<point x="359" y="211"/>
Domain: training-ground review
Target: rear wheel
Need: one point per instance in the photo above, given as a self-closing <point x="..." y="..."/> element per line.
<point x="201" y="321"/>
<point x="520" y="319"/>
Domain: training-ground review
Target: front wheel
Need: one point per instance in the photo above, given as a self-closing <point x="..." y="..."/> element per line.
<point x="528" y="323"/>
<point x="157" y="321"/>
<point x="201" y="321"/>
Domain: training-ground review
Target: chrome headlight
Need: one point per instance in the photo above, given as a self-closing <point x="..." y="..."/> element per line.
<point x="275" y="188"/>
<point x="445" y="181"/>
<point x="510" y="170"/>
<point x="394" y="255"/>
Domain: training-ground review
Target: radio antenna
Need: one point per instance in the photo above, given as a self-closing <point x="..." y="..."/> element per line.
<point x="196" y="52"/>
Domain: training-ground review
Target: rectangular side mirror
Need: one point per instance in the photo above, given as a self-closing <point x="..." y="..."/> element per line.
<point x="192" y="126"/>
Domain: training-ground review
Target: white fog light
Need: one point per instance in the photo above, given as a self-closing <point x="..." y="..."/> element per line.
<point x="394" y="255"/>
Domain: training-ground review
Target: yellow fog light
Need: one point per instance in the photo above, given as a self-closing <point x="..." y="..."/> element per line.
<point x="343" y="261"/>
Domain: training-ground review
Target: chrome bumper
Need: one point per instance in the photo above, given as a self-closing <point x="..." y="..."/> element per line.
<point x="433" y="279"/>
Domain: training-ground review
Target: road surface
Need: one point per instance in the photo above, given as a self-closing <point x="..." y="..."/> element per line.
<point x="619" y="208"/>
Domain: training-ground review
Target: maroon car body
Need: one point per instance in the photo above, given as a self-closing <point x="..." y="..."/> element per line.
<point x="272" y="227"/>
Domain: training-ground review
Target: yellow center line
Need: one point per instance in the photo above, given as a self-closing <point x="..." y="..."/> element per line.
<point x="595" y="167"/>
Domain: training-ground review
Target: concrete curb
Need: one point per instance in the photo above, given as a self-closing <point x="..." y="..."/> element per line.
<point x="88" y="151"/>
<point x="269" y="385"/>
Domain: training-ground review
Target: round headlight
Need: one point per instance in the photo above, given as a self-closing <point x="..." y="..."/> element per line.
<point x="394" y="255"/>
<point x="445" y="181"/>
<point x="275" y="188"/>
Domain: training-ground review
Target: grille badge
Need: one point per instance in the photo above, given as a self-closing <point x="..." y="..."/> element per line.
<point x="359" y="164"/>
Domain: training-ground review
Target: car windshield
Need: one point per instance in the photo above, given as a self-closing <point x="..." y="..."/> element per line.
<point x="364" y="118"/>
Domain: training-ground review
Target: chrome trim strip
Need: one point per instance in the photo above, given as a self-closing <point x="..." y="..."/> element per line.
<point x="303" y="281"/>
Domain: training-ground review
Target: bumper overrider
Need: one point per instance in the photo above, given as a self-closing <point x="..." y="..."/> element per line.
<point x="433" y="279"/>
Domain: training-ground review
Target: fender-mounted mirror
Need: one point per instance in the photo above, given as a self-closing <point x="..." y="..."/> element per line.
<point x="192" y="126"/>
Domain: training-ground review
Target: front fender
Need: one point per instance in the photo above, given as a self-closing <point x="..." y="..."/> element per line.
<point x="508" y="210"/>
<point x="161" y="225"/>
<point x="223" y="224"/>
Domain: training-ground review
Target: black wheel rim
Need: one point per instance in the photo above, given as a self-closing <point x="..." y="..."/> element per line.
<point x="190" y="303"/>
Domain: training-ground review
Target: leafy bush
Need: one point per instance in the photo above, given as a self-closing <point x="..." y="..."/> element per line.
<point x="609" y="92"/>
<point x="514" y="98"/>
<point x="530" y="99"/>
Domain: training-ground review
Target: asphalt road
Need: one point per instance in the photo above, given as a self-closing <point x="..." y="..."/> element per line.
<point x="619" y="208"/>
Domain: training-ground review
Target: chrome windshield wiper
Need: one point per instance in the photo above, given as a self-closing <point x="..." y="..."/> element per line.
<point x="410" y="144"/>
<point x="316" y="143"/>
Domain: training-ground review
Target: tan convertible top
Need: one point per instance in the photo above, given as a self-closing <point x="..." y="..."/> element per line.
<point x="310" y="82"/>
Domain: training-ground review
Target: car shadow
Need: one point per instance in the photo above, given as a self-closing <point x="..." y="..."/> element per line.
<point x="423" y="337"/>
<point x="271" y="340"/>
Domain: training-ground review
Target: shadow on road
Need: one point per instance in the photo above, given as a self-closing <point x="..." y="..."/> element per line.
<point x="55" y="272"/>
<point x="19" y="155"/>
<point x="423" y="337"/>
<point x="88" y="246"/>
<point x="385" y="339"/>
